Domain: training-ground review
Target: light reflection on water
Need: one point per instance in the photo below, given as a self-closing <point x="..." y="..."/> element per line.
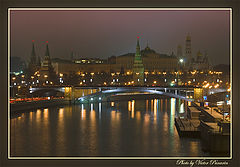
<point x="117" y="128"/>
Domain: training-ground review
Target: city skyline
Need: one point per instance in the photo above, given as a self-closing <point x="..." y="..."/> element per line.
<point x="81" y="31"/>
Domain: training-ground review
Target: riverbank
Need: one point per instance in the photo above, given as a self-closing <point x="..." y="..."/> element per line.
<point x="213" y="132"/>
<point x="29" y="105"/>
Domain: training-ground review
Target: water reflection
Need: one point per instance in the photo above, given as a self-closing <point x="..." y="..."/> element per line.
<point x="143" y="127"/>
<point x="38" y="115"/>
<point x="99" y="110"/>
<point x="182" y="108"/>
<point x="155" y="109"/>
<point x="112" y="104"/>
<point x="133" y="108"/>
<point x="83" y="111"/>
<point x="146" y="105"/>
<point x="129" y="105"/>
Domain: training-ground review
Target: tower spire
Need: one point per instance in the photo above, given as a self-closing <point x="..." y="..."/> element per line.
<point x="138" y="47"/>
<point x="47" y="51"/>
<point x="188" y="50"/>
<point x="33" y="54"/>
<point x="47" y="59"/>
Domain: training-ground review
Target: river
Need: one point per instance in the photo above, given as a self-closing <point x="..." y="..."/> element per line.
<point x="125" y="128"/>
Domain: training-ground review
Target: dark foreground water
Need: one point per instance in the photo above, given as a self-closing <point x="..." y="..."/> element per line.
<point x="118" y="128"/>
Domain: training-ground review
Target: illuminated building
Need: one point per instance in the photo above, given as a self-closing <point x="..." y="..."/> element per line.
<point x="88" y="61"/>
<point x="200" y="63"/>
<point x="152" y="61"/>
<point x="149" y="58"/>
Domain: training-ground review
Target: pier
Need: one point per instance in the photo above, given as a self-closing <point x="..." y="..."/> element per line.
<point x="208" y="124"/>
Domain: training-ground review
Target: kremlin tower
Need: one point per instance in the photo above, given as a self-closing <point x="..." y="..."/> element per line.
<point x="138" y="68"/>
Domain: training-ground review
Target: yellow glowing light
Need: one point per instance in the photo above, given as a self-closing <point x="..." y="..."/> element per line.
<point x="45" y="76"/>
<point x="132" y="81"/>
<point x="154" y="82"/>
<point x="22" y="76"/>
<point x="129" y="105"/>
<point x="92" y="73"/>
<point x="137" y="73"/>
<point x="105" y="83"/>
<point x="133" y="105"/>
<point x="13" y="78"/>
<point x="206" y="85"/>
<point x="229" y="89"/>
<point x="67" y="89"/>
<point x="61" y="75"/>
<point x="128" y="73"/>
<point x="112" y="104"/>
<point x="38" y="75"/>
<point x="32" y="77"/>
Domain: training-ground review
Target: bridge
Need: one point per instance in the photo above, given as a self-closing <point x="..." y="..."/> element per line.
<point x="88" y="94"/>
<point x="107" y="93"/>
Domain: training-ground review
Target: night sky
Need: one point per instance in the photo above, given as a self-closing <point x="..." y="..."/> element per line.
<point x="106" y="33"/>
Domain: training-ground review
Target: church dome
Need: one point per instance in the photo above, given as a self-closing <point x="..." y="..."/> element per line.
<point x="147" y="50"/>
<point x="188" y="38"/>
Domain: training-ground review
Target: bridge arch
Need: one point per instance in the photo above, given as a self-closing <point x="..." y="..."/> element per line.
<point x="103" y="94"/>
<point x="46" y="92"/>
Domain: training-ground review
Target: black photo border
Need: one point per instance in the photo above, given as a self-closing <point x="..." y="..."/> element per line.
<point x="5" y="4"/>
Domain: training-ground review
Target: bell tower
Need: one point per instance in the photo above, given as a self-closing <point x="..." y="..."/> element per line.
<point x="188" y="50"/>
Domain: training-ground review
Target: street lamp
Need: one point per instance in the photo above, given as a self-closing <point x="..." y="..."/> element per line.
<point x="181" y="61"/>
